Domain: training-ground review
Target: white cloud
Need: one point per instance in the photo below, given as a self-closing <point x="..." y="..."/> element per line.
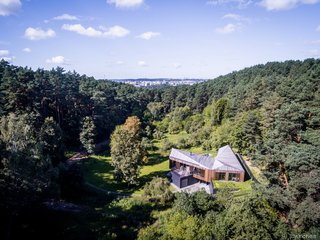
<point x="38" y="33"/>
<point x="116" y="31"/>
<point x="148" y="35"/>
<point x="318" y="29"/>
<point x="229" y="28"/>
<point x="274" y="5"/>
<point x="236" y="17"/>
<point x="4" y="53"/>
<point x="27" y="50"/>
<point x="119" y="62"/>
<point x="113" y="32"/>
<point x="126" y="3"/>
<point x="57" y="60"/>
<point x="142" y="64"/>
<point x="66" y="17"/>
<point x="78" y="28"/>
<point x="8" y="59"/>
<point x="8" y="7"/>
<point x="239" y="3"/>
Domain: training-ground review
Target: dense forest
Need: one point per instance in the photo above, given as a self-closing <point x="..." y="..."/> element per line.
<point x="270" y="113"/>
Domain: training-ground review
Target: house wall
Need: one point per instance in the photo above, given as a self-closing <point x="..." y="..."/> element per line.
<point x="175" y="178"/>
<point x="200" y="178"/>
<point x="179" y="180"/>
<point x="209" y="174"/>
<point x="213" y="175"/>
<point x="242" y="177"/>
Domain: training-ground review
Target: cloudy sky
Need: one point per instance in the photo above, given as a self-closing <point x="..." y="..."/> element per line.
<point x="157" y="38"/>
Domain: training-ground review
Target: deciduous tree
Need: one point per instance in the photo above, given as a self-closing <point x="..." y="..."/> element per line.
<point x="126" y="150"/>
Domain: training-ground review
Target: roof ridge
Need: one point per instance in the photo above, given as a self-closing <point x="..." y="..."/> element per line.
<point x="200" y="156"/>
<point x="228" y="165"/>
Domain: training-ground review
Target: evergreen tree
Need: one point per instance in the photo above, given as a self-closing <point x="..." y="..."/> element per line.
<point x="52" y="140"/>
<point x="26" y="174"/>
<point x="247" y="133"/>
<point x="250" y="218"/>
<point x="87" y="134"/>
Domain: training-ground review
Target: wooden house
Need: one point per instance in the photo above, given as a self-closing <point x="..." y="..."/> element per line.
<point x="188" y="168"/>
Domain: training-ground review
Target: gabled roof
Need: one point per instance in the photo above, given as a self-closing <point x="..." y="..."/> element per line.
<point x="226" y="160"/>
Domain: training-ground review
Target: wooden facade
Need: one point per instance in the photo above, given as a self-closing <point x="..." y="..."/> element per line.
<point x="205" y="174"/>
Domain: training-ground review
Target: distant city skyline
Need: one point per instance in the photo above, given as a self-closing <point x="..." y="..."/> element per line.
<point x="121" y="39"/>
<point x="155" y="82"/>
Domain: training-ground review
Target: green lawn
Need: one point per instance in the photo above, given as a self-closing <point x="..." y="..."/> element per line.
<point x="241" y="188"/>
<point x="98" y="171"/>
<point x="174" y="138"/>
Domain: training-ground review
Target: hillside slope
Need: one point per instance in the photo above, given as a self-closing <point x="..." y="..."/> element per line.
<point x="271" y="114"/>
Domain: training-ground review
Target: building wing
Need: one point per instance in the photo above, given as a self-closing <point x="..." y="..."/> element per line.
<point x="226" y="160"/>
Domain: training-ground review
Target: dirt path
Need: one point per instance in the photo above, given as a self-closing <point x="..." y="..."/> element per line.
<point x="76" y="158"/>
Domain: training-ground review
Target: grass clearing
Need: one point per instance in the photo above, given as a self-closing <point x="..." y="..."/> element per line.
<point x="99" y="171"/>
<point x="241" y="188"/>
<point x="174" y="138"/>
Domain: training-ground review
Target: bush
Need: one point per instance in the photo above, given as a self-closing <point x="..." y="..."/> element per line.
<point x="182" y="143"/>
<point x="158" y="190"/>
<point x="167" y="145"/>
<point x="193" y="140"/>
<point x="175" y="127"/>
<point x="146" y="144"/>
<point x="158" y="134"/>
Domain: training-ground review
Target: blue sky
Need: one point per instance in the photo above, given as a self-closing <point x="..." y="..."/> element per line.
<point x="157" y="38"/>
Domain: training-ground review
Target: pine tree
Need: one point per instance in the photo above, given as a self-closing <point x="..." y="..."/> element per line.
<point x="87" y="134"/>
<point x="52" y="140"/>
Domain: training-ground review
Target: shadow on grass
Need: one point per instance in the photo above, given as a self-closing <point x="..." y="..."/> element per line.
<point x="99" y="172"/>
<point x="126" y="217"/>
<point x="155" y="158"/>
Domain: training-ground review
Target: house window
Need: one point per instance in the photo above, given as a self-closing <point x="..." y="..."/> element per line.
<point x="220" y="176"/>
<point x="198" y="172"/>
<point x="234" y="177"/>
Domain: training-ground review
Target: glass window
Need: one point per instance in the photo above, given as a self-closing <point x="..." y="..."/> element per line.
<point x="234" y="177"/>
<point x="220" y="176"/>
<point x="199" y="172"/>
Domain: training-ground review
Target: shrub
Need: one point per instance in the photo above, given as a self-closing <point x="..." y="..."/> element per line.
<point x="182" y="143"/>
<point x="158" y="134"/>
<point x="158" y="190"/>
<point x="167" y="145"/>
